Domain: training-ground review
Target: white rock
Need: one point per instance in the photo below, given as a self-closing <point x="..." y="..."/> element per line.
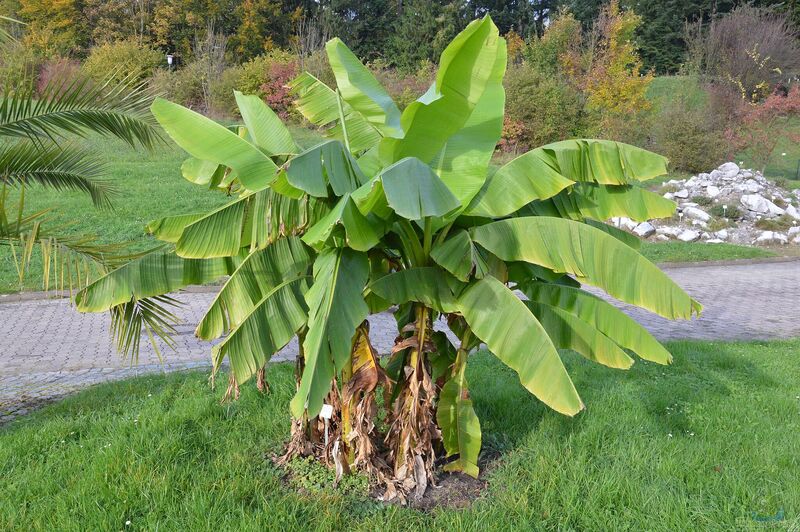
<point x="669" y="195"/>
<point x="722" y="234"/>
<point x="665" y="238"/>
<point x="697" y="214"/>
<point x="715" y="175"/>
<point x="729" y="169"/>
<point x="669" y="231"/>
<point x="771" y="237"/>
<point x="682" y="194"/>
<point x="792" y="211"/>
<point x="644" y="229"/>
<point x="699" y="223"/>
<point x="794" y="230"/>
<point x="689" y="235"/>
<point x="749" y="187"/>
<point x="714" y="241"/>
<point x="624" y="223"/>
<point x="796" y="240"/>
<point x="692" y="182"/>
<point x="760" y="204"/>
<point x="712" y="191"/>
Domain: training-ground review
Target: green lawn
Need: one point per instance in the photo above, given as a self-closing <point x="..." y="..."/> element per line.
<point x="710" y="443"/>
<point x="699" y="252"/>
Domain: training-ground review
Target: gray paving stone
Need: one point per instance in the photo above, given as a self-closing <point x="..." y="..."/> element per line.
<point x="49" y="350"/>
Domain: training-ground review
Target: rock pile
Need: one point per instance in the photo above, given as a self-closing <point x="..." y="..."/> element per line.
<point x="730" y="204"/>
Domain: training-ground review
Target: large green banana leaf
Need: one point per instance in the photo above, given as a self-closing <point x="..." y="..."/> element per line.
<point x="255" y="220"/>
<point x="527" y="178"/>
<point x="603" y="316"/>
<point x="513" y="334"/>
<point x="264" y="126"/>
<point x="465" y="68"/>
<point x="464" y="160"/>
<point x="336" y="307"/>
<point x="361" y="90"/>
<point x="625" y="237"/>
<point x="318" y="104"/>
<point x="346" y="224"/>
<point x="260" y="273"/>
<point x="461" y="429"/>
<point x="461" y="257"/>
<point x="428" y="285"/>
<point x="154" y="274"/>
<point x="590" y="254"/>
<point x="271" y="324"/>
<point x="327" y="163"/>
<point x="568" y="332"/>
<point x="204" y="139"/>
<point x="604" y="161"/>
<point x="415" y="192"/>
<point x="606" y="201"/>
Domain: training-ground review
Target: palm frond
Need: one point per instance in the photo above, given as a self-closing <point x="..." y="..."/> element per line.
<point x="59" y="167"/>
<point x="81" y="106"/>
<point x="130" y="320"/>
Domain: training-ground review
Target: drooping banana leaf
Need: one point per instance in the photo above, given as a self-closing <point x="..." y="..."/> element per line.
<point x="601" y="315"/>
<point x="606" y="201"/>
<point x="568" y="332"/>
<point x="513" y="334"/>
<point x="270" y="325"/>
<point x="260" y="273"/>
<point x="461" y="429"/>
<point x="204" y="173"/>
<point x="335" y="308"/>
<point x="603" y="161"/>
<point x="593" y="256"/>
<point x="154" y="274"/>
<point x="345" y="223"/>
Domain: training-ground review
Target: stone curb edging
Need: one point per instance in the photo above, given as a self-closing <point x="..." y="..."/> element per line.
<point x="21" y="297"/>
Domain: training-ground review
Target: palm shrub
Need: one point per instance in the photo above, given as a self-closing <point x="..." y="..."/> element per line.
<point x="400" y="211"/>
<point x="37" y="149"/>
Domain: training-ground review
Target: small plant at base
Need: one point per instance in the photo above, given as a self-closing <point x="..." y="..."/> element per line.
<point x="703" y="201"/>
<point x="400" y="211"/>
<point x="781" y="223"/>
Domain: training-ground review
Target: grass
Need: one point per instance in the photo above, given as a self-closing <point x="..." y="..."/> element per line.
<point x="709" y="443"/>
<point x="149" y="186"/>
<point x="699" y="252"/>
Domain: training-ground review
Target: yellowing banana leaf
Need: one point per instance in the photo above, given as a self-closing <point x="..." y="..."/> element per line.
<point x="361" y="90"/>
<point x="205" y="139"/>
<point x="461" y="429"/>
<point x="218" y="234"/>
<point x="513" y="334"/>
<point x="267" y="130"/>
<point x="568" y="332"/>
<point x="271" y="324"/>
<point x="259" y="274"/>
<point x="318" y="104"/>
<point x="335" y="308"/>
<point x="590" y="254"/>
<point x="604" y="161"/>
<point x="603" y="316"/>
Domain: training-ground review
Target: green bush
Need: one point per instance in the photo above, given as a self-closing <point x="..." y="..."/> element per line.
<point x="781" y="223"/>
<point x="702" y="200"/>
<point x="19" y="68"/>
<point x="732" y="213"/>
<point x="184" y="86"/>
<point x="548" y="108"/>
<point x="690" y="136"/>
<point x="122" y="60"/>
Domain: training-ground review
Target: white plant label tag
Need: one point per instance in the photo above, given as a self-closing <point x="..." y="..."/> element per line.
<point x="326" y="412"/>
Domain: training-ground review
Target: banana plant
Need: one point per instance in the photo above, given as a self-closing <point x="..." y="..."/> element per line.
<point x="403" y="212"/>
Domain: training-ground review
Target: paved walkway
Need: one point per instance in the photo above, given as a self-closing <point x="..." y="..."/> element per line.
<point x="48" y="350"/>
